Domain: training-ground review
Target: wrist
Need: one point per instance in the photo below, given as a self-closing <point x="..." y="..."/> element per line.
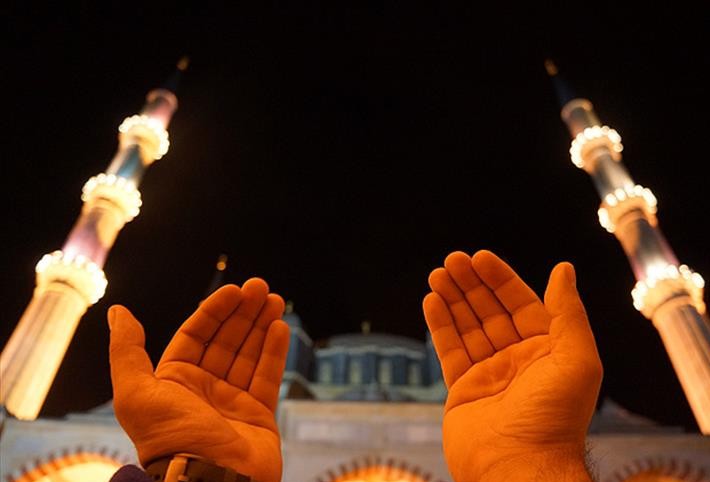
<point x="184" y="467"/>
<point x="560" y="465"/>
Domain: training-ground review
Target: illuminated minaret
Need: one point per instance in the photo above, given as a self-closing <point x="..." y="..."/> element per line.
<point x="71" y="279"/>
<point x="666" y="292"/>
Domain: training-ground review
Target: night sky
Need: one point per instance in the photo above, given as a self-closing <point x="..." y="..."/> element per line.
<point x="342" y="153"/>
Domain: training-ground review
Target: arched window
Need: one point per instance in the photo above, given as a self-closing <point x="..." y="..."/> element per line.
<point x="355" y="372"/>
<point x="325" y="371"/>
<point x="79" y="467"/>
<point x="414" y="374"/>
<point x="653" y="477"/>
<point x="659" y="469"/>
<point x="379" y="473"/>
<point x="384" y="371"/>
<point x="374" y="469"/>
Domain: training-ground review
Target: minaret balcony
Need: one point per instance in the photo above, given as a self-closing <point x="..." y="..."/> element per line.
<point x="146" y="131"/>
<point x="591" y="138"/>
<point x="664" y="282"/>
<point x="79" y="272"/>
<point x="120" y="191"/>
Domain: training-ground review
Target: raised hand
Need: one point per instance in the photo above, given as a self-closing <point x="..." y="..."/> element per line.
<point x="523" y="376"/>
<point x="216" y="386"/>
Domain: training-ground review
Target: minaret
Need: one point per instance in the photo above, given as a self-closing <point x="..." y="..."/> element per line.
<point x="666" y="292"/>
<point x="69" y="280"/>
<point x="218" y="276"/>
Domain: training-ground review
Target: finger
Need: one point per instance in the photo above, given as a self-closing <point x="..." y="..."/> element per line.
<point x="269" y="370"/>
<point x="449" y="346"/>
<point x="188" y="344"/>
<point x="561" y="295"/>
<point x="525" y="308"/>
<point x="130" y="364"/>
<point x="242" y="369"/>
<point x="463" y="317"/>
<point x="495" y="320"/>
<point x="224" y="345"/>
<point x="570" y="334"/>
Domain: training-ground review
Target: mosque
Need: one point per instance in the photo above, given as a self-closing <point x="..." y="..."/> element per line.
<point x="357" y="407"/>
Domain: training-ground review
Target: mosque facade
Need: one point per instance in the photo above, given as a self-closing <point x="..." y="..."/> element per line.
<point x="361" y="407"/>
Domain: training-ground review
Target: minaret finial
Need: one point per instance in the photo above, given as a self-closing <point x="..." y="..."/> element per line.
<point x="222" y="262"/>
<point x="183" y="63"/>
<point x="550" y="67"/>
<point x="562" y="89"/>
<point x="173" y="81"/>
<point x="217" y="277"/>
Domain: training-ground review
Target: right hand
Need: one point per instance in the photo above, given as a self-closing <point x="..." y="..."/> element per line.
<point x="523" y="376"/>
<point x="215" y="390"/>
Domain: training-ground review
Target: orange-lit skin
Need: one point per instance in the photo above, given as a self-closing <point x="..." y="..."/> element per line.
<point x="215" y="389"/>
<point x="523" y="375"/>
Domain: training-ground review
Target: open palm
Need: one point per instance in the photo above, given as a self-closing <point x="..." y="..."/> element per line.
<point x="215" y="389"/>
<point x="523" y="376"/>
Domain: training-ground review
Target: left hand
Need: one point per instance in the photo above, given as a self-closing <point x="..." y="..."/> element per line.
<point x="215" y="390"/>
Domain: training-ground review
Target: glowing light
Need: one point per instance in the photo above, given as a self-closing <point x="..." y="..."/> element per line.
<point x="117" y="189"/>
<point x="146" y="127"/>
<point x="183" y="63"/>
<point x="663" y="280"/>
<point x="593" y="137"/>
<point x="89" y="472"/>
<point x="619" y="202"/>
<point x="81" y="467"/>
<point x="222" y="262"/>
<point x="77" y="271"/>
<point x="604" y="219"/>
<point x="380" y="473"/>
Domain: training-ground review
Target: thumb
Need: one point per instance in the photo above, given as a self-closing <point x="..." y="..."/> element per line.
<point x="127" y="355"/>
<point x="561" y="296"/>
<point x="571" y="336"/>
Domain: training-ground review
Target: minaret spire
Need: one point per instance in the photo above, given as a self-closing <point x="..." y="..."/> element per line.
<point x="562" y="89"/>
<point x="173" y="82"/>
<point x="72" y="279"/>
<point x="666" y="292"/>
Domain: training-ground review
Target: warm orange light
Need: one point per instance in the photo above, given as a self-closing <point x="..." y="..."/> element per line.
<point x="81" y="467"/>
<point x="222" y="263"/>
<point x="379" y="473"/>
<point x="183" y="63"/>
<point x="550" y="67"/>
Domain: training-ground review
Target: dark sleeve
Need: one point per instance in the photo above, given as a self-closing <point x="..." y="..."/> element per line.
<point x="130" y="473"/>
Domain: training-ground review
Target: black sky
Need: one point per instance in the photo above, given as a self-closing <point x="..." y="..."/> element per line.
<point x="340" y="153"/>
